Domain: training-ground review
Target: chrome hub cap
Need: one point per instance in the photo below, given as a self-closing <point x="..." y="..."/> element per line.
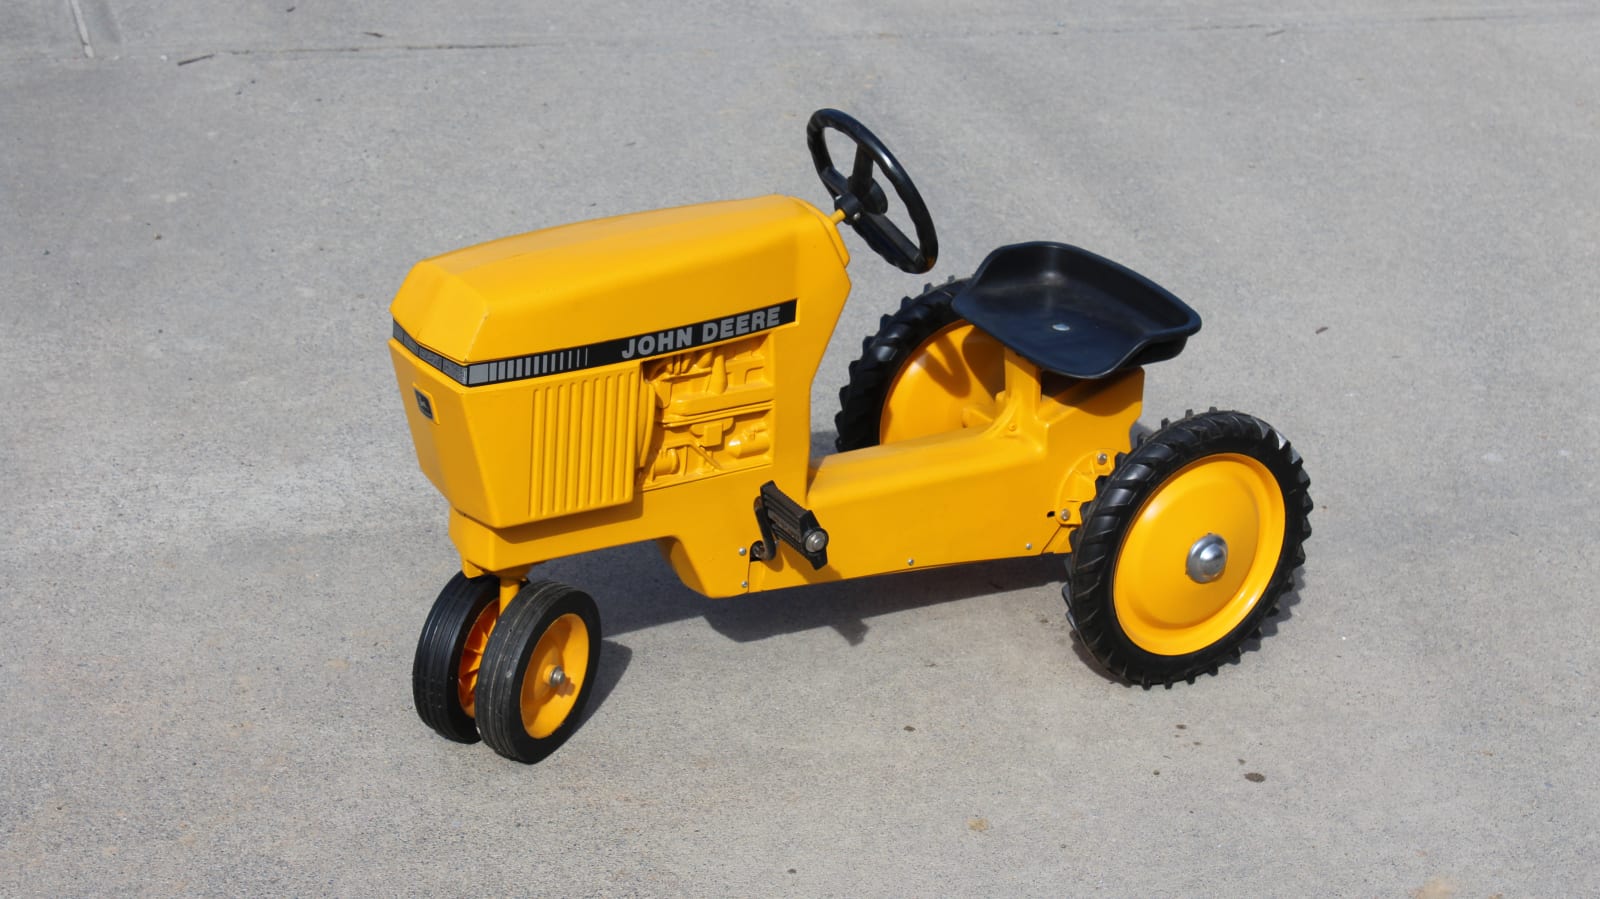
<point x="1207" y="558"/>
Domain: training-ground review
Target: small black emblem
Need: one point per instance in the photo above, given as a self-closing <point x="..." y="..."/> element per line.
<point x="424" y="404"/>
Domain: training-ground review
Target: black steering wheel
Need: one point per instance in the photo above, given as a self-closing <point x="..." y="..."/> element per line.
<point x="863" y="201"/>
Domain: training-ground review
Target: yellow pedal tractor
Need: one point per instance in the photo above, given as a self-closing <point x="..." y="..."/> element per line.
<point x="648" y="377"/>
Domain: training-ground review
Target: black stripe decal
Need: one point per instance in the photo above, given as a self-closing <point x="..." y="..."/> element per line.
<point x="608" y="352"/>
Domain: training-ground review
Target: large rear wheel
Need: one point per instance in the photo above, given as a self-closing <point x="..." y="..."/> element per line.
<point x="925" y="371"/>
<point x="1187" y="547"/>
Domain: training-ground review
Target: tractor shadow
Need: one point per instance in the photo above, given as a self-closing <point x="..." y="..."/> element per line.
<point x="848" y="607"/>
<point x="614" y="661"/>
<point x="637" y="591"/>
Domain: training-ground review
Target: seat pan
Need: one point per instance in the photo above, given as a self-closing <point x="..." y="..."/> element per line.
<point x="1074" y="313"/>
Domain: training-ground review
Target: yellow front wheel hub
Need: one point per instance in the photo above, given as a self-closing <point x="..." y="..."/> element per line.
<point x="1199" y="555"/>
<point x="555" y="675"/>
<point x="472" y="657"/>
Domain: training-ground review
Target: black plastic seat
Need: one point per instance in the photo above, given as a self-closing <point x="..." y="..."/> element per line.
<point x="1069" y="311"/>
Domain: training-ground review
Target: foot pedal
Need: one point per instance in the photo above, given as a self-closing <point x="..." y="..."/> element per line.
<point x="781" y="518"/>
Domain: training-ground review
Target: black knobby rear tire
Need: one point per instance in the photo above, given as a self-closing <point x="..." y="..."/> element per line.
<point x="436" y="672"/>
<point x="524" y="712"/>
<point x="1235" y="475"/>
<point x="883" y="355"/>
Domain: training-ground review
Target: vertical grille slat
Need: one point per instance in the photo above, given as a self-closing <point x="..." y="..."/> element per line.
<point x="584" y="443"/>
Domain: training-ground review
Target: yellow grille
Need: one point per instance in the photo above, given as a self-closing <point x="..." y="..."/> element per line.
<point x="585" y="442"/>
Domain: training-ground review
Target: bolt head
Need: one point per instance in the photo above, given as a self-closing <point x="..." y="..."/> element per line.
<point x="816" y="540"/>
<point x="1208" y="558"/>
<point x="558" y="676"/>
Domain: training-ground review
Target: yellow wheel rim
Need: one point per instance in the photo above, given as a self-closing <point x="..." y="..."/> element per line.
<point x="555" y="675"/>
<point x="472" y="658"/>
<point x="948" y="383"/>
<point x="1199" y="555"/>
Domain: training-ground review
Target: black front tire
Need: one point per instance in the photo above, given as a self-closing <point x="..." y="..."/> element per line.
<point x="538" y="671"/>
<point x="441" y="686"/>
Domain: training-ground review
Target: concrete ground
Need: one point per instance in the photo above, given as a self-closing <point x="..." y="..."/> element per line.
<point x="217" y="547"/>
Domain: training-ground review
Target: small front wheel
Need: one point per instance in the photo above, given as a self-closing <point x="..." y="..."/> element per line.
<point x="538" y="671"/>
<point x="1187" y="547"/>
<point x="445" y="671"/>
